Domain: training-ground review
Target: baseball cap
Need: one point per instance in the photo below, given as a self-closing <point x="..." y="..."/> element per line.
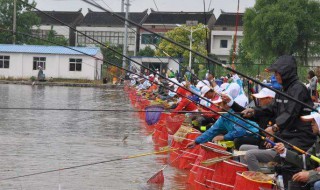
<point x="217" y="101"/>
<point x="264" y="93"/>
<point x="202" y="84"/>
<point x="204" y="90"/>
<point x="313" y="115"/>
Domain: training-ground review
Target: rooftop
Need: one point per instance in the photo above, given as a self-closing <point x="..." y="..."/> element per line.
<point x="10" y="48"/>
<point x="68" y="17"/>
<point x="158" y="17"/>
<point x="107" y="19"/>
<point x="229" y="19"/>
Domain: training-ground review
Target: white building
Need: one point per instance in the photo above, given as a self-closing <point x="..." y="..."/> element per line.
<point x="22" y="61"/>
<point x="106" y="28"/>
<point x="222" y="35"/>
<point x="162" y="22"/>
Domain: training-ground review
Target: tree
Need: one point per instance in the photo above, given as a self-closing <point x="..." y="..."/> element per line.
<point x="276" y="27"/>
<point x="52" y="37"/>
<point x="25" y="20"/>
<point x="111" y="56"/>
<point x="147" y="52"/>
<point x="181" y="35"/>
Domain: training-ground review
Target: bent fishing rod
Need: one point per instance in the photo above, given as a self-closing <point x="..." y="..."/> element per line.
<point x="269" y="134"/>
<point x="228" y="68"/>
<point x="128" y="58"/>
<point x="90" y="164"/>
<point x="203" y="56"/>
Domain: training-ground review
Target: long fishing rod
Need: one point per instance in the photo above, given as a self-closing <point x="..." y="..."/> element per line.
<point x="90" y="164"/>
<point x="128" y="58"/>
<point x="299" y="150"/>
<point x="108" y="110"/>
<point x="205" y="57"/>
<point x="216" y="62"/>
<point x="280" y="139"/>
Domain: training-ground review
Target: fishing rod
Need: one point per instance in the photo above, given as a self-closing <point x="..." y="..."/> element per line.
<point x="128" y="58"/>
<point x="90" y="164"/>
<point x="205" y="57"/>
<point x="299" y="150"/>
<point x="106" y="110"/>
<point x="264" y="138"/>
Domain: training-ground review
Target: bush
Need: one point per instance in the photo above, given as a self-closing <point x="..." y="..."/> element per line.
<point x="33" y="78"/>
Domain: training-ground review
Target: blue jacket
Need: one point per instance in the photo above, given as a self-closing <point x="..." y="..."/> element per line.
<point x="232" y="130"/>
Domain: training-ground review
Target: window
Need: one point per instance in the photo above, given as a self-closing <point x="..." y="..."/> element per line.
<point x="150" y="39"/>
<point x="39" y="62"/>
<point x="75" y="64"/>
<point x="223" y="43"/>
<point x="4" y="61"/>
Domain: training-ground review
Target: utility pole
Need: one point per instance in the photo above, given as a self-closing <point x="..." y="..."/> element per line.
<point x="122" y="6"/>
<point x="125" y="45"/>
<point x="14" y="21"/>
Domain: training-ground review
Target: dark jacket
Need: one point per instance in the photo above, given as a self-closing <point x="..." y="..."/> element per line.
<point x="288" y="112"/>
<point x="305" y="162"/>
<point x="262" y="121"/>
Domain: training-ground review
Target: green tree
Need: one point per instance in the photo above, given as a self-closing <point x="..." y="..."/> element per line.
<point x="111" y="56"/>
<point x="147" y="52"/>
<point x="25" y="20"/>
<point x="52" y="37"/>
<point x="276" y="27"/>
<point x="181" y="35"/>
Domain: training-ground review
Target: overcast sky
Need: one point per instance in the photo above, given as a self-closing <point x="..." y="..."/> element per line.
<point x="141" y="5"/>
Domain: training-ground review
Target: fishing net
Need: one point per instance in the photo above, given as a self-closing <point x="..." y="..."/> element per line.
<point x="174" y="123"/>
<point x="153" y="114"/>
<point x="212" y="161"/>
<point x="251" y="180"/>
<point x="157" y="178"/>
<point x="257" y="176"/>
<point x="182" y="132"/>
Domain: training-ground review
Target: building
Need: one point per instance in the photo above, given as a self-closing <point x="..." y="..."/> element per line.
<point x="222" y="35"/>
<point x="106" y="28"/>
<point x="162" y="22"/>
<point x="155" y="63"/>
<point x="47" y="23"/>
<point x="22" y="61"/>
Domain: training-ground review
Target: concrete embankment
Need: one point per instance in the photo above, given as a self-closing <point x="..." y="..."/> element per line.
<point x="62" y="84"/>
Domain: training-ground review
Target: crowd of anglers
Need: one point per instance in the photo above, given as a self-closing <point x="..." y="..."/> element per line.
<point x="210" y="110"/>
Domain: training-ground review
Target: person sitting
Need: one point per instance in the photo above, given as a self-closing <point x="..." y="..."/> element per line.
<point x="224" y="129"/>
<point x="310" y="173"/>
<point x="206" y="120"/>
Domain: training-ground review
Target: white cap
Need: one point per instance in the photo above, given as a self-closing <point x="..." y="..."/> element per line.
<point x="264" y="93"/>
<point x="204" y="90"/>
<point x="151" y="75"/>
<point x="313" y="115"/>
<point x="202" y="84"/>
<point x="217" y="101"/>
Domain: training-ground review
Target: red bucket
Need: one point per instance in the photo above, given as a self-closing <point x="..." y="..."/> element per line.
<point x="225" y="173"/>
<point x="174" y="123"/>
<point x="243" y="182"/>
<point x="204" y="154"/>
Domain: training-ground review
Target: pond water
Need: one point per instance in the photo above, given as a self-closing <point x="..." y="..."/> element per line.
<point x="36" y="141"/>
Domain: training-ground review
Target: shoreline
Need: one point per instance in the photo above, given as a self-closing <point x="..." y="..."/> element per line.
<point x="38" y="83"/>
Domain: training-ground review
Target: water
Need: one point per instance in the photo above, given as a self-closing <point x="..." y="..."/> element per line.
<point x="35" y="141"/>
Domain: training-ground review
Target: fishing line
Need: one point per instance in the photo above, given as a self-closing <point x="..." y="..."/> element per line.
<point x="89" y="164"/>
<point x="280" y="139"/>
<point x="205" y="57"/>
